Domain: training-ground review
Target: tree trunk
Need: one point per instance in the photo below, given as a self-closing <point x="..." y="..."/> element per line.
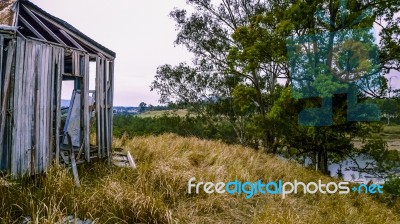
<point x="323" y="161"/>
<point x="270" y="143"/>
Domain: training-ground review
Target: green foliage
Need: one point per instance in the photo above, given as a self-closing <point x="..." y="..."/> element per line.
<point x="240" y="53"/>
<point x="386" y="163"/>
<point x="142" y="107"/>
<point x="171" y="123"/>
<point x="390" y="108"/>
<point x="244" y="99"/>
<point x="392" y="186"/>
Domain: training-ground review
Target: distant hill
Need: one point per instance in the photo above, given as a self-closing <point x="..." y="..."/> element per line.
<point x="117" y="109"/>
<point x="125" y="110"/>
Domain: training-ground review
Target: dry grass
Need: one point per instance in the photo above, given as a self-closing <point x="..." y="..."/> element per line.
<point x="394" y="129"/>
<point x="391" y="134"/>
<point x="180" y="113"/>
<point x="156" y="192"/>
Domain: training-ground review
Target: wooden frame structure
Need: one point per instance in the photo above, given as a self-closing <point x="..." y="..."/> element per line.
<point x="37" y="53"/>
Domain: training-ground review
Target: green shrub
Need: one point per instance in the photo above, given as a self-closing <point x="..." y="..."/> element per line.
<point x="392" y="186"/>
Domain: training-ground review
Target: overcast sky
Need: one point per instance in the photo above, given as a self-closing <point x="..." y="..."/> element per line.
<point x="140" y="32"/>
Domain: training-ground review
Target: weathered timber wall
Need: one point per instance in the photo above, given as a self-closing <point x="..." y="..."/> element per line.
<point x="36" y="111"/>
<point x="7" y="58"/>
<point x="104" y="103"/>
<point x="31" y="74"/>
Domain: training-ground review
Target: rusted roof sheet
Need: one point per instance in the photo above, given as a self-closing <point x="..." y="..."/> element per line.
<point x="7" y="12"/>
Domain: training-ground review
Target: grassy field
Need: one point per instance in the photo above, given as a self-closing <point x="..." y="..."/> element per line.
<point x="394" y="130"/>
<point x="156" y="192"/>
<point x="181" y="113"/>
<point x="391" y="134"/>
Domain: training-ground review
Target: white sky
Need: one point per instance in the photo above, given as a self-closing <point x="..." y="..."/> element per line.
<point x="140" y="32"/>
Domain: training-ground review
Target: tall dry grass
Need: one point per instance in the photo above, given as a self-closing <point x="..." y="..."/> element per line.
<point x="156" y="192"/>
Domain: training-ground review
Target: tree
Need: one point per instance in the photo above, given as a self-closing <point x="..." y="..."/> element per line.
<point x="142" y="107"/>
<point x="390" y="108"/>
<point x="240" y="54"/>
<point x="217" y="34"/>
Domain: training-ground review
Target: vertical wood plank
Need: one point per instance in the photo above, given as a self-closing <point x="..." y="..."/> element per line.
<point x="45" y="138"/>
<point x="60" y="70"/>
<point x="39" y="114"/>
<point x="73" y="162"/>
<point x="102" y="107"/>
<point x="30" y="112"/>
<point x="111" y="106"/>
<point x="44" y="75"/>
<point x="102" y="113"/>
<point x="48" y="109"/>
<point x="106" y="118"/>
<point x="34" y="71"/>
<point x="15" y="148"/>
<point x="1" y="69"/>
<point x="107" y="108"/>
<point x="86" y="115"/>
<point x="3" y="153"/>
<point x="98" y="118"/>
<point x="51" y="90"/>
<point x="6" y="93"/>
<point x="24" y="131"/>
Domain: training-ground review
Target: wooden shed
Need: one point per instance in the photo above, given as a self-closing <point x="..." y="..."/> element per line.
<point x="38" y="53"/>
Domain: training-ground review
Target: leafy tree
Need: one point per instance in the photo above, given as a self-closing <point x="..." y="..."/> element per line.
<point x="320" y="144"/>
<point x="240" y="55"/>
<point x="142" y="107"/>
<point x="216" y="35"/>
<point x="385" y="163"/>
<point x="390" y="108"/>
<point x="392" y="185"/>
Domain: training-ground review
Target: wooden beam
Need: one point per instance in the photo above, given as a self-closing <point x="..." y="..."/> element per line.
<point x="66" y="35"/>
<point x="86" y="113"/>
<point x="73" y="35"/>
<point x="102" y="112"/>
<point x="8" y="28"/>
<point x="19" y="69"/>
<point x="72" y="75"/>
<point x="111" y="103"/>
<point x="30" y="27"/>
<point x="34" y="17"/>
<point x="16" y="14"/>
<point x="54" y="44"/>
<point x="98" y="100"/>
<point x="73" y="162"/>
<point x="33" y="70"/>
<point x="53" y="105"/>
<point x="49" y="113"/>
<point x="59" y="59"/>
<point x="131" y="161"/>
<point x="106" y="115"/>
